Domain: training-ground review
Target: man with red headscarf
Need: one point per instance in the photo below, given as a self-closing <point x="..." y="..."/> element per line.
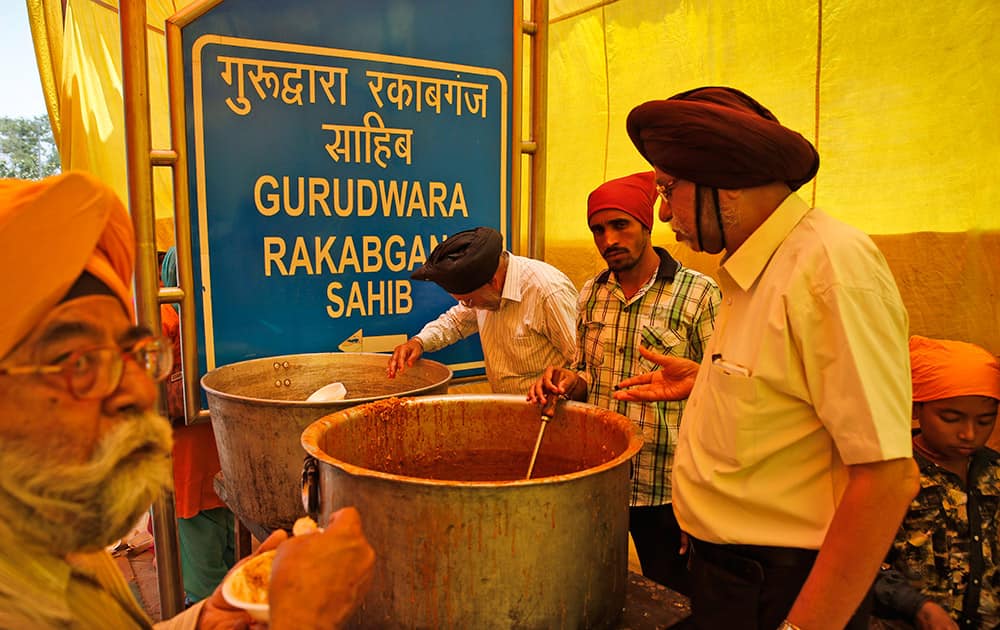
<point x="644" y="299"/>
<point x="942" y="571"/>
<point x="83" y="452"/>
<point x="793" y="466"/>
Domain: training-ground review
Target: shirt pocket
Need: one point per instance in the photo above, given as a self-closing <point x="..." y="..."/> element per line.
<point x="924" y="543"/>
<point x="734" y="395"/>
<point x="594" y="341"/>
<point x="661" y="340"/>
<point x="522" y="350"/>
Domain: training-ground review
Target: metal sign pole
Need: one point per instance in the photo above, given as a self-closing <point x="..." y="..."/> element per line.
<point x="135" y="85"/>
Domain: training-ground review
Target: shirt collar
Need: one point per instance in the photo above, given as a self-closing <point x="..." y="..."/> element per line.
<point x="666" y="271"/>
<point x="512" y="280"/>
<point x="748" y="262"/>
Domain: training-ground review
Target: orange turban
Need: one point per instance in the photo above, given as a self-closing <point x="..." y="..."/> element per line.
<point x="50" y="232"/>
<point x="947" y="369"/>
<point x="634" y="195"/>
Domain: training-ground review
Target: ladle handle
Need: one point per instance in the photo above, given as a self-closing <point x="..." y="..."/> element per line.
<point x="538" y="444"/>
<point x="548" y="410"/>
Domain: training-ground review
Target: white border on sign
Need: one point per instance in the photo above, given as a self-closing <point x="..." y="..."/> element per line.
<point x="199" y="145"/>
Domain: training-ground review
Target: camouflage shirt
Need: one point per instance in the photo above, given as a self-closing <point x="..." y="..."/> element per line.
<point x="946" y="547"/>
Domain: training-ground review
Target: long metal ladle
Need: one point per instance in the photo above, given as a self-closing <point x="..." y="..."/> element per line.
<point x="548" y="410"/>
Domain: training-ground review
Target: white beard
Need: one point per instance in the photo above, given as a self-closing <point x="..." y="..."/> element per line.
<point x="85" y="507"/>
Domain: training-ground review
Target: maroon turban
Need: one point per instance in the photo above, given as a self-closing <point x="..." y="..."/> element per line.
<point x="634" y="195"/>
<point x="720" y="137"/>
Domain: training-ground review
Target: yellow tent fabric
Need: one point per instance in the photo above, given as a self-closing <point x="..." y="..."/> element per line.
<point x="80" y="66"/>
<point x="900" y="99"/>
<point x="45" y="19"/>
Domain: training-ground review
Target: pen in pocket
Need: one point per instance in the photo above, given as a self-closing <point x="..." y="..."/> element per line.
<point x="728" y="367"/>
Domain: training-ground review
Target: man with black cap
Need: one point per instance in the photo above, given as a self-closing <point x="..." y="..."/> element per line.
<point x="793" y="466"/>
<point x="523" y="310"/>
<point x="643" y="299"/>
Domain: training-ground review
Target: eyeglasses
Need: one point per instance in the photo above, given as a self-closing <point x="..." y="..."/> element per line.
<point x="667" y="190"/>
<point x="97" y="372"/>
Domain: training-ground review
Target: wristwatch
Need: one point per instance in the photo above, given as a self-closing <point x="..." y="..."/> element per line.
<point x="788" y="625"/>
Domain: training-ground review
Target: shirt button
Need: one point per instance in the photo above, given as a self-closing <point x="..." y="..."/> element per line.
<point x="621" y="350"/>
<point x="975" y="581"/>
<point x="975" y="538"/>
<point x="729" y="301"/>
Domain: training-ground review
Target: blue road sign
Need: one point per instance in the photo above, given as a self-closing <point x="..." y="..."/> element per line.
<point x="332" y="145"/>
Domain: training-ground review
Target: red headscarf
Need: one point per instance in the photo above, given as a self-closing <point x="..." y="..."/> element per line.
<point x="634" y="194"/>
<point x="947" y="369"/>
<point x="720" y="137"/>
<point x="50" y="232"/>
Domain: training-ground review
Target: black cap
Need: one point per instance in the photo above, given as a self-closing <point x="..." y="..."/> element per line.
<point x="464" y="262"/>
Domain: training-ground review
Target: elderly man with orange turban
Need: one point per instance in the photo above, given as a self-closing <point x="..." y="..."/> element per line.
<point x="943" y="571"/>
<point x="793" y="466"/>
<point x="644" y="299"/>
<point x="83" y="452"/>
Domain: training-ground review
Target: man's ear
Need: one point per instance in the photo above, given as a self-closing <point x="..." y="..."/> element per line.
<point x="498" y="276"/>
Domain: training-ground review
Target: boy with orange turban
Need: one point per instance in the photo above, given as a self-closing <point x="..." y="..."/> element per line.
<point x="942" y="567"/>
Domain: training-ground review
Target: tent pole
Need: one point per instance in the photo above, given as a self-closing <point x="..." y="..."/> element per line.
<point x="138" y="155"/>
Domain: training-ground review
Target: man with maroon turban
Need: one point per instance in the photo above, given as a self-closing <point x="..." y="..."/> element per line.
<point x="644" y="299"/>
<point x="943" y="569"/>
<point x="793" y="466"/>
<point x="84" y="453"/>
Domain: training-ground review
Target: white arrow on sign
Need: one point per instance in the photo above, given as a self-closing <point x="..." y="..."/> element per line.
<point x="380" y="343"/>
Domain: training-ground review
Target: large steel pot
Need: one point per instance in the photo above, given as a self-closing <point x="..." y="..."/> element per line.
<point x="550" y="552"/>
<point x="258" y="412"/>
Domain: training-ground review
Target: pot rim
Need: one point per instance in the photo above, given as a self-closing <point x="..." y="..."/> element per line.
<point x="302" y="404"/>
<point x="312" y="433"/>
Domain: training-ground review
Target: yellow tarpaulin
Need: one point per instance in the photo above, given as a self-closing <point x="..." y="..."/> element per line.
<point x="900" y="98"/>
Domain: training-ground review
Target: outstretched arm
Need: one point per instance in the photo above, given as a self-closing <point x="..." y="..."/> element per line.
<point x="404" y="356"/>
<point x="863" y="527"/>
<point x="673" y="381"/>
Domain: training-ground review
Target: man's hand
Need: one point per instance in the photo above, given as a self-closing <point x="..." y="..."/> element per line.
<point x="932" y="617"/>
<point x="556" y="381"/>
<point x="673" y="381"/>
<point x="404" y="356"/>
<point x="216" y="614"/>
<point x="317" y="580"/>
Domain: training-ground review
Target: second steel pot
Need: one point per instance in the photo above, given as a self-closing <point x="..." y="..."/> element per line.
<point x="463" y="551"/>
